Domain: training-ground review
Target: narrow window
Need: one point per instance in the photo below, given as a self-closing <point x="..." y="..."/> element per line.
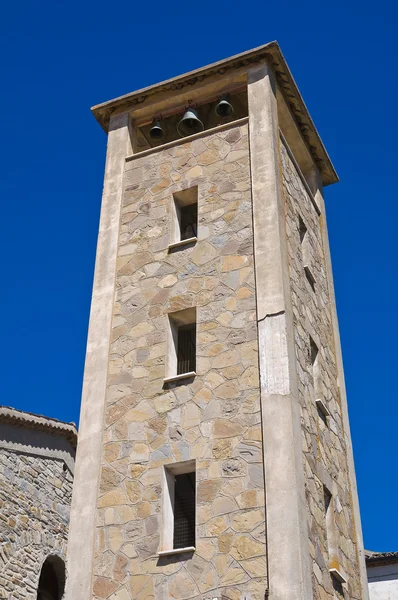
<point x="316" y="371"/>
<point x="327" y="497"/>
<point x="181" y="353"/>
<point x="179" y="508"/>
<point x="186" y="350"/>
<point x="323" y="411"/>
<point x="310" y="277"/>
<point x="184" y="510"/>
<point x="313" y="354"/>
<point x="184" y="227"/>
<point x="329" y="521"/>
<point x="331" y="536"/>
<point x="302" y="229"/>
<point x="188" y="221"/>
<point x="322" y="408"/>
<point x="306" y="252"/>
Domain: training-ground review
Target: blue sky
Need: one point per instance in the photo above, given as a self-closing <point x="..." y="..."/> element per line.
<point x="58" y="59"/>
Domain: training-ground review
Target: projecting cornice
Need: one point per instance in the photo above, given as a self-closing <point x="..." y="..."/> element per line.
<point x="376" y="559"/>
<point x="268" y="52"/>
<point x="28" y="420"/>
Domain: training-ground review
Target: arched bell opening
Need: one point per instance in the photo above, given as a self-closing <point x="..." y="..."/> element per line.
<point x="52" y="579"/>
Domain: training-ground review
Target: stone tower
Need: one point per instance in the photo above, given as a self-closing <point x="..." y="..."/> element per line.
<point x="214" y="457"/>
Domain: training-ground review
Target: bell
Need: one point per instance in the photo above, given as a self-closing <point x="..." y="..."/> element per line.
<point x="190" y="123"/>
<point x="224" y="108"/>
<point x="156" y="132"/>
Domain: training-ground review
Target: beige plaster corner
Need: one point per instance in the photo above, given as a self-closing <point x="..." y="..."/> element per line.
<point x="83" y="511"/>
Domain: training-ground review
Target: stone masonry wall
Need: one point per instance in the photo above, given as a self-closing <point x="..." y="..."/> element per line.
<point x="324" y="451"/>
<point x="214" y="419"/>
<point x="35" y="495"/>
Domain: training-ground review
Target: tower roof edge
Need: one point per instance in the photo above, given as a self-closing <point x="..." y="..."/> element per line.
<point x="269" y="52"/>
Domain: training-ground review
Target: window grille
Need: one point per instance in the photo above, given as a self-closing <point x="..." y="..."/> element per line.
<point x="186" y="349"/>
<point x="189" y="221"/>
<point x="184" y="511"/>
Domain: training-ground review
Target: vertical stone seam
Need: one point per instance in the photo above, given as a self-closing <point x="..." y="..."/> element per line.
<point x="259" y="373"/>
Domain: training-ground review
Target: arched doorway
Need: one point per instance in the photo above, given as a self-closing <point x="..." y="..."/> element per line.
<point x="52" y="579"/>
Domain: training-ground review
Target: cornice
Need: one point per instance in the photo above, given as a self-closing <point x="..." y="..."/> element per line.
<point x="103" y="111"/>
<point x="374" y="559"/>
<point x="18" y="418"/>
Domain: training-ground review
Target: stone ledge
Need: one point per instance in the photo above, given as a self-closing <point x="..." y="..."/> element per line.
<point x="188" y="375"/>
<point x="176" y="551"/>
<point x="188" y="138"/>
<point x="338" y="575"/>
<point x="191" y="240"/>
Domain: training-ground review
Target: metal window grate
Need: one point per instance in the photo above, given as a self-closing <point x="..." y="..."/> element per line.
<point x="184" y="510"/>
<point x="188" y="221"/>
<point x="186" y="349"/>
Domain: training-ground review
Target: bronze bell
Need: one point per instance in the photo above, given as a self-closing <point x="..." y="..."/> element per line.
<point x="190" y="123"/>
<point x="156" y="132"/>
<point x="224" y="108"/>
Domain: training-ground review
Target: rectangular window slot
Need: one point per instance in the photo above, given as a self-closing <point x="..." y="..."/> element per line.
<point x="189" y="221"/>
<point x="306" y="252"/>
<point x="179" y="508"/>
<point x="313" y="352"/>
<point x="331" y="534"/>
<point x="181" y="355"/>
<point x="302" y="229"/>
<point x="184" y="511"/>
<point x="186" y="349"/>
<point x="316" y="369"/>
<point x="310" y="277"/>
<point x="322" y="407"/>
<point x="327" y="496"/>
<point x="323" y="411"/>
<point x="329" y="518"/>
<point x="184" y="226"/>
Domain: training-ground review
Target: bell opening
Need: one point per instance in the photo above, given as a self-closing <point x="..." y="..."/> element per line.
<point x="190" y="123"/>
<point x="224" y="108"/>
<point x="156" y="132"/>
<point x="167" y="125"/>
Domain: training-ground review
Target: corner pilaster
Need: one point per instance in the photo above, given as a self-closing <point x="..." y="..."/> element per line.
<point x="88" y="459"/>
<point x="289" y="568"/>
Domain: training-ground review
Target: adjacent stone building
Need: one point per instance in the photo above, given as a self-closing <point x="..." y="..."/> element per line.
<point x="36" y="475"/>
<point x="215" y="458"/>
<point x="382" y="568"/>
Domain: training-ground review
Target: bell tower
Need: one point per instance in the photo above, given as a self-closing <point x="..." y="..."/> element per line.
<point x="214" y="458"/>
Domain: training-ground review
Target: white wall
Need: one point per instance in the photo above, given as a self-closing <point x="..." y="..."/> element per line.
<point x="383" y="582"/>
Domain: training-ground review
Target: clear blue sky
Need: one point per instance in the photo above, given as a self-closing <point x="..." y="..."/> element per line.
<point x="58" y="59"/>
